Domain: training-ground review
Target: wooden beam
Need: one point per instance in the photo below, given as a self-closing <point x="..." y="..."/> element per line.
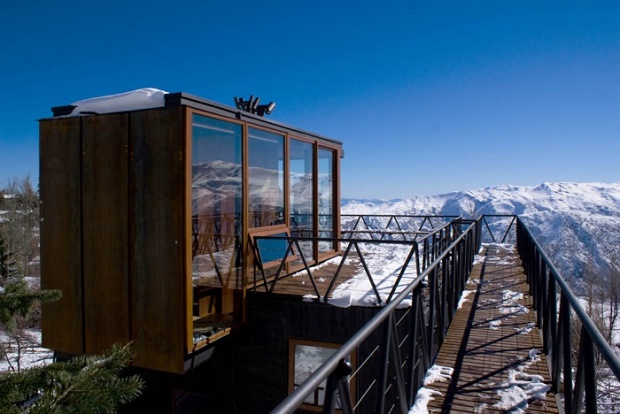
<point x="105" y="230"/>
<point x="61" y="218"/>
<point x="158" y="275"/>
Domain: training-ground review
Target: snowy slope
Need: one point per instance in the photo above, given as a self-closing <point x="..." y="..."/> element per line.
<point x="576" y="223"/>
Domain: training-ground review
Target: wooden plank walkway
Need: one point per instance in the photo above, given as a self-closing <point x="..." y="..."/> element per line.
<point x="492" y="345"/>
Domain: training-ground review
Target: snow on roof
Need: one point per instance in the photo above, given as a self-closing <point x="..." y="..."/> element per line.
<point x="127" y="101"/>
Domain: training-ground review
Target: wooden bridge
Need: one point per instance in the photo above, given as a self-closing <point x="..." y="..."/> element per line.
<point x="493" y="345"/>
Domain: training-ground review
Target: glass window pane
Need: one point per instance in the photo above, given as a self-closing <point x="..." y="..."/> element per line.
<point x="301" y="194"/>
<point x="307" y="359"/>
<point x="216" y="208"/>
<point x="326" y="198"/>
<point x="266" y="178"/>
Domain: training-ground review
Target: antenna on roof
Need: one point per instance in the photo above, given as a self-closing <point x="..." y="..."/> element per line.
<point x="252" y="106"/>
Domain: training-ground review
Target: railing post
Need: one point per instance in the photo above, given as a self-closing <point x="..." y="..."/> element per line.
<point x="398" y="373"/>
<point x="535" y="268"/>
<point x="413" y="347"/>
<point x="458" y="285"/>
<point x="445" y="284"/>
<point x="585" y="381"/>
<point x="479" y="241"/>
<point x="565" y="344"/>
<point x="338" y="380"/>
<point x="450" y="290"/>
<point x="589" y="372"/>
<point x="432" y="309"/>
<point x="551" y="335"/>
<point x="460" y="248"/>
<point x="550" y="321"/>
<point x="385" y="364"/>
<point x="425" y="257"/>
<point x="542" y="294"/>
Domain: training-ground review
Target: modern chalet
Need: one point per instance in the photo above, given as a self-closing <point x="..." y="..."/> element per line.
<point x="150" y="201"/>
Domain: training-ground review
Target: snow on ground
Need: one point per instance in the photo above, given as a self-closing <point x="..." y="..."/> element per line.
<point x="385" y="262"/>
<point x="527" y="329"/>
<point x="464" y="296"/>
<point x="25" y="353"/>
<point x="510" y="304"/>
<point x="521" y="387"/>
<point x="436" y="373"/>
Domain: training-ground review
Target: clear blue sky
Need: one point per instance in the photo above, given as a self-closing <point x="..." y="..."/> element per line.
<point x="427" y="96"/>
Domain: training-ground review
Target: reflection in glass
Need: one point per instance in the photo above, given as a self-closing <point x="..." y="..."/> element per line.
<point x="266" y="178"/>
<point x="307" y="359"/>
<point x="302" y="194"/>
<point x="216" y="205"/>
<point x="326" y="198"/>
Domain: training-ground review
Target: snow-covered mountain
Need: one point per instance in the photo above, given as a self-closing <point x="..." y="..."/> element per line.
<point x="577" y="224"/>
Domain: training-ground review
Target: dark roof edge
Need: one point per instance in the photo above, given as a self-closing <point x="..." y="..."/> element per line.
<point x="182" y="98"/>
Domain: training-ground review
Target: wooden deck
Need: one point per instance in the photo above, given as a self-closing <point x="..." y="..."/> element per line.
<point x="299" y="284"/>
<point x="493" y="345"/>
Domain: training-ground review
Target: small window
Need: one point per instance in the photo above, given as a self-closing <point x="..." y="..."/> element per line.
<point x="272" y="251"/>
<point x="304" y="359"/>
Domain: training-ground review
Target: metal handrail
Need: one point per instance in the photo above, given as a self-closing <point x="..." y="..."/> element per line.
<point x="452" y="265"/>
<point x="544" y="279"/>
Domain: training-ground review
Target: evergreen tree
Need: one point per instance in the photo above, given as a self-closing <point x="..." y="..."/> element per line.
<point x="18" y="300"/>
<point x="82" y="385"/>
<point x="8" y="265"/>
<point x="20" y="222"/>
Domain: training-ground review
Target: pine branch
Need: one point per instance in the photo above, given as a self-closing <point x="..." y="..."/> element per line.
<point x="81" y="385"/>
<point x="16" y="298"/>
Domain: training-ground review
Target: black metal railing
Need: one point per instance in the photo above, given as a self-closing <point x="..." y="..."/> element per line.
<point x="285" y="249"/>
<point x="573" y="374"/>
<point x="391" y="226"/>
<point x="410" y="337"/>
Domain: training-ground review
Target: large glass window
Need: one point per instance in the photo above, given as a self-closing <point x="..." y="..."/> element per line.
<point x="326" y="198"/>
<point x="266" y="178"/>
<point x="217" y="194"/>
<point x="301" y="196"/>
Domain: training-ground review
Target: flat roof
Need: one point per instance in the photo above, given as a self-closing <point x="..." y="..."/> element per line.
<point x="151" y="98"/>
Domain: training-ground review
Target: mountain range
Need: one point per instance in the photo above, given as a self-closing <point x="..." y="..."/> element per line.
<point x="577" y="224"/>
